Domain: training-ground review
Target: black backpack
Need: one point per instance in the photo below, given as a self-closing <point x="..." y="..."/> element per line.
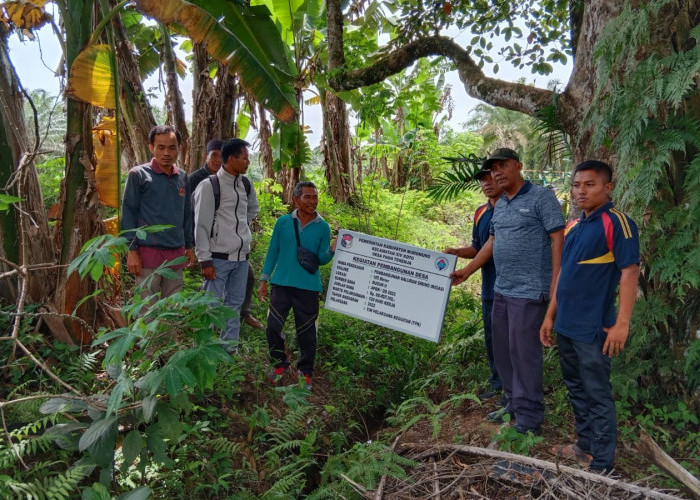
<point x="216" y="188"/>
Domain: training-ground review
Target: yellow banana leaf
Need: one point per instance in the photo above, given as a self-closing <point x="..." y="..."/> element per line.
<point x="104" y="138"/>
<point x="23" y="14"/>
<point x="91" y="79"/>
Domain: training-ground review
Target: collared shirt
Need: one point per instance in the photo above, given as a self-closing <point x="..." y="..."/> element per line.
<point x="480" y="235"/>
<point x="596" y="249"/>
<point x="281" y="263"/>
<point x="154" y="197"/>
<point x="522" y="249"/>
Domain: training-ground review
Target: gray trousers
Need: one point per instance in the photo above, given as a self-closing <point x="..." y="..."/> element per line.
<point x="517" y="351"/>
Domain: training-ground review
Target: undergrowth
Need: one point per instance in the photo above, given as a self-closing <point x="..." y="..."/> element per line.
<point x="216" y="428"/>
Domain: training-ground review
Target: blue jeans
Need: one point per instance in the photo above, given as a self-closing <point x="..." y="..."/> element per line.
<point x="229" y="286"/>
<point x="586" y="373"/>
<point x="518" y="354"/>
<point x="486" y="309"/>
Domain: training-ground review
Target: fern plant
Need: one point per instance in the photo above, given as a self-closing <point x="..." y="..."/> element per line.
<point x="22" y="475"/>
<point x="648" y="113"/>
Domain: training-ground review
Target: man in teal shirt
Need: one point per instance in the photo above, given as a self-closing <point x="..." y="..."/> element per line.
<point x="293" y="287"/>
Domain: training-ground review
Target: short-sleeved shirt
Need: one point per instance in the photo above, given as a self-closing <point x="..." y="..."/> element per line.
<point x="522" y="249"/>
<point x="596" y="249"/>
<point x="480" y="235"/>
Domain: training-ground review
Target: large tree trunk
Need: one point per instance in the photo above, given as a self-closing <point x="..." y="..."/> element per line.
<point x="136" y="115"/>
<point x="336" y="148"/>
<point x="226" y="93"/>
<point x="173" y="98"/>
<point x="24" y="231"/>
<point x="214" y="105"/>
<point x="204" y="96"/>
<point x="80" y="216"/>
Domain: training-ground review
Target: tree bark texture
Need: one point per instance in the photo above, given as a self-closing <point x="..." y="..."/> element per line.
<point x="214" y="105"/>
<point x="24" y="231"/>
<point x="80" y="216"/>
<point x="136" y="115"/>
<point x="264" y="133"/>
<point x="336" y="148"/>
<point x="173" y="98"/>
<point x="203" y="95"/>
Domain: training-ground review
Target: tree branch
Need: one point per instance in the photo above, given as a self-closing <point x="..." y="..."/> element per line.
<point x="513" y="96"/>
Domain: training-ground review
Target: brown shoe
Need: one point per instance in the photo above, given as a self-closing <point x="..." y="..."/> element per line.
<point x="573" y="453"/>
<point x="253" y="321"/>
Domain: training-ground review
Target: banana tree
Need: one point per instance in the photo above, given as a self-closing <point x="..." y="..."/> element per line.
<point x="242" y="37"/>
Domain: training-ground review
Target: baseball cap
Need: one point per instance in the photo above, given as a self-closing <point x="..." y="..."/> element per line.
<point x="485" y="169"/>
<point x="500" y="154"/>
<point x="214" y="144"/>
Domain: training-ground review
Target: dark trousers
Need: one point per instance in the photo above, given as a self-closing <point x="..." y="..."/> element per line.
<point x="518" y="354"/>
<point x="305" y="306"/>
<point x="486" y="309"/>
<point x="586" y="373"/>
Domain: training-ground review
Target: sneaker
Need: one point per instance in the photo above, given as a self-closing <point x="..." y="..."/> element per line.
<point x="523" y="429"/>
<point x="276" y="373"/>
<point x="488" y="394"/>
<point x="307" y="379"/>
<point x="498" y="416"/>
<point x="502" y="401"/>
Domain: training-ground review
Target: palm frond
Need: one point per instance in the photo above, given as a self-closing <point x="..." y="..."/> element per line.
<point x="450" y="184"/>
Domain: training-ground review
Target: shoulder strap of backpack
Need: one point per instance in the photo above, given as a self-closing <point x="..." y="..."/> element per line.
<point x="217" y="191"/>
<point x="216" y="188"/>
<point x="247" y="184"/>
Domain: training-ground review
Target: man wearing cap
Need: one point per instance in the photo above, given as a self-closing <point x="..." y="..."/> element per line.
<point x="212" y="164"/>
<point x="480" y="235"/>
<point x="527" y="236"/>
<point x="222" y="236"/>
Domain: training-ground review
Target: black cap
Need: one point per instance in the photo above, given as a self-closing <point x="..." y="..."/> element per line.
<point x="482" y="172"/>
<point x="214" y="145"/>
<point x="500" y="154"/>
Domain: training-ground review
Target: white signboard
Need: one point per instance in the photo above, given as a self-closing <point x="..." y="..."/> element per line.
<point x="390" y="283"/>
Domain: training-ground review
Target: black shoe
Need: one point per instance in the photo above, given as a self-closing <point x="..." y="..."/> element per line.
<point x="497" y="416"/>
<point x="502" y="401"/>
<point x="522" y="429"/>
<point x="488" y="394"/>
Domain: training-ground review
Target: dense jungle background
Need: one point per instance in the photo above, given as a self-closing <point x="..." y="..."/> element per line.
<point x="96" y="403"/>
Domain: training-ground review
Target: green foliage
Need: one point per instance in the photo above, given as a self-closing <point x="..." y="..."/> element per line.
<point x="408" y="413"/>
<point x="509" y="439"/>
<point x="51" y="173"/>
<point x="365" y="463"/>
<point x="6" y="201"/>
<point x="41" y="480"/>
<point x="648" y="113"/>
<point x="459" y="179"/>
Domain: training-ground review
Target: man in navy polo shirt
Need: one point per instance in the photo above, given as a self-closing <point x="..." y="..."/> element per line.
<point x="480" y="235"/>
<point x="601" y="250"/>
<point x="527" y="235"/>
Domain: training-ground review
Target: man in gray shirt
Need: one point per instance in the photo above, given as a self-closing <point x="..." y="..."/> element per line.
<point x="527" y="236"/>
